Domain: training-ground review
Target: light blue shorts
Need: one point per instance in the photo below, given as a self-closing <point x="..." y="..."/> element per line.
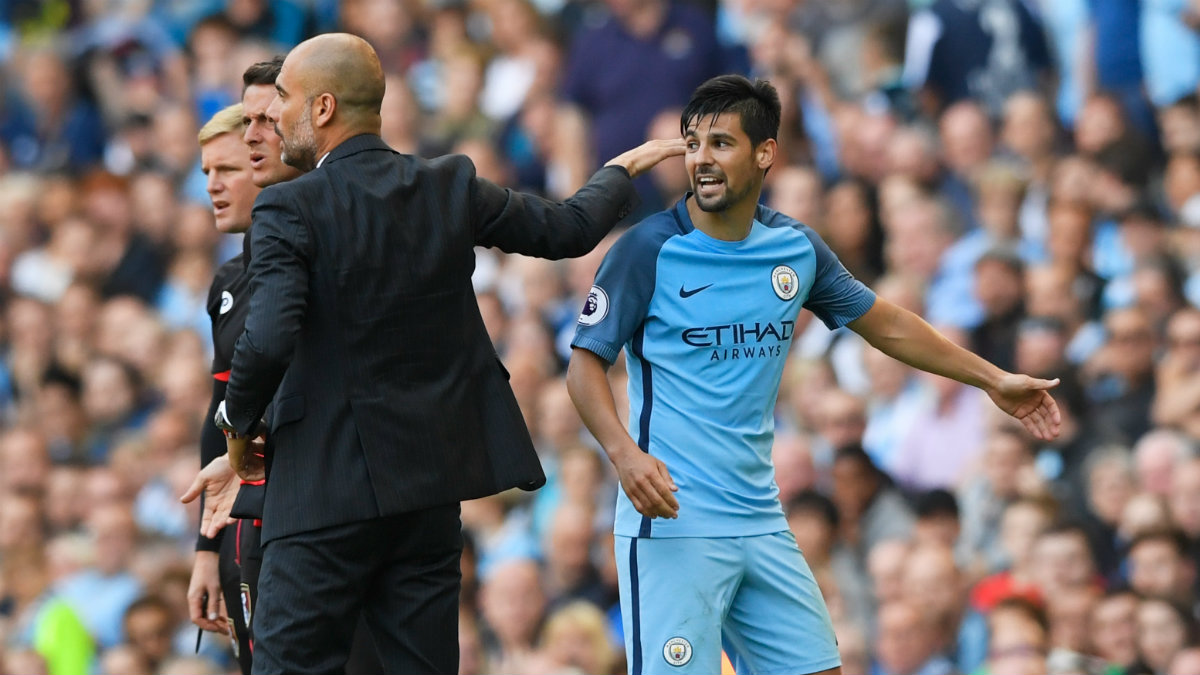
<point x="683" y="599"/>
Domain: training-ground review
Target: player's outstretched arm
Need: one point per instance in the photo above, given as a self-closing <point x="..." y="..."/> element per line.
<point x="906" y="337"/>
<point x="644" y="478"/>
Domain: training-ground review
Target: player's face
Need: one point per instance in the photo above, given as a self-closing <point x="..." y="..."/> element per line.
<point x="266" y="166"/>
<point x="724" y="168"/>
<point x="226" y="162"/>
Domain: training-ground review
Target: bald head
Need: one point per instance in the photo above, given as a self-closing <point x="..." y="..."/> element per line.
<point x="329" y="90"/>
<point x="343" y="65"/>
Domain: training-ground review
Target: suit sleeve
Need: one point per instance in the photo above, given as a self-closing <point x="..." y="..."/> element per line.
<point x="516" y="222"/>
<point x="279" y="274"/>
<point x="836" y="297"/>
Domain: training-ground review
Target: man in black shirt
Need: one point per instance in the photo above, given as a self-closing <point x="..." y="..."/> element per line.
<point x="226" y="163"/>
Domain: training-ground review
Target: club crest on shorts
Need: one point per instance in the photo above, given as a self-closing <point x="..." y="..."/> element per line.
<point x="785" y="282"/>
<point x="677" y="651"/>
<point x="595" y="308"/>
<point x="246" y="609"/>
<point x="226" y="302"/>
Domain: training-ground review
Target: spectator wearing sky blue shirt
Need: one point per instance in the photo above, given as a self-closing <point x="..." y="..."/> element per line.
<point x="100" y="594"/>
<point x="1170" y="50"/>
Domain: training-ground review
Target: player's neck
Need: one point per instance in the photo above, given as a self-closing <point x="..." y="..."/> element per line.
<point x="731" y="224"/>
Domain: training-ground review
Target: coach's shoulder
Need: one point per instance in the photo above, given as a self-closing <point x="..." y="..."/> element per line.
<point x="449" y="165"/>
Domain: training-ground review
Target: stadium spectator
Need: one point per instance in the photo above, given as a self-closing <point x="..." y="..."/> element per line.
<point x="1114" y="628"/>
<point x="1019" y="639"/>
<point x="1163" y="629"/>
<point x="1007" y="474"/>
<point x="102" y="592"/>
<point x="908" y="642"/>
<point x="513" y="604"/>
<point x="149" y="625"/>
<point x="1062" y="560"/>
<point x="1160" y="565"/>
<point x="886" y="563"/>
<point x="1022" y="523"/>
<point x="870" y="509"/>
<point x="934" y="584"/>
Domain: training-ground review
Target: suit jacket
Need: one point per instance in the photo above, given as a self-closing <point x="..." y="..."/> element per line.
<point x="390" y="396"/>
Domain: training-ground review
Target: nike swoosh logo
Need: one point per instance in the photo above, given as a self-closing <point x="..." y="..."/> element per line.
<point x="688" y="294"/>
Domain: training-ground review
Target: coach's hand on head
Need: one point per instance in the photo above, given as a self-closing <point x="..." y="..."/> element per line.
<point x="647" y="482"/>
<point x="642" y="158"/>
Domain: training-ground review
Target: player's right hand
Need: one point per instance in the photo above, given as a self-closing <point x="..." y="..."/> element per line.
<point x="204" y="594"/>
<point x="648" y="484"/>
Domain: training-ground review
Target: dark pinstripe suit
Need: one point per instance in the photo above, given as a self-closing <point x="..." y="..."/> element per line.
<point x="391" y="401"/>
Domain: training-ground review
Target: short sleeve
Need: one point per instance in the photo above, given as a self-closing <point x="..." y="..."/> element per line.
<point x="617" y="304"/>
<point x="837" y="298"/>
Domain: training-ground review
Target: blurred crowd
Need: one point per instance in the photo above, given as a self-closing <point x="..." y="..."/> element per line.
<point x="1023" y="173"/>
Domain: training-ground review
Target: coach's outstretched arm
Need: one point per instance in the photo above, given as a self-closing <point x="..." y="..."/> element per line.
<point x="906" y="337"/>
<point x="522" y="223"/>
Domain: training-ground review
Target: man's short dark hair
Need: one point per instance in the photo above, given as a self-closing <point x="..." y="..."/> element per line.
<point x="756" y="102"/>
<point x="1171" y="536"/>
<point x="811" y="501"/>
<point x="1069" y="528"/>
<point x="935" y="504"/>
<point x="148" y="602"/>
<point x="263" y="72"/>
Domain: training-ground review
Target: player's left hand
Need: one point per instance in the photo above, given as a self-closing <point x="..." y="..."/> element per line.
<point x="1027" y="399"/>
<point x="219" y="485"/>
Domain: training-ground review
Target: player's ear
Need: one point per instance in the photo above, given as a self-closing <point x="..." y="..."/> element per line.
<point x="764" y="154"/>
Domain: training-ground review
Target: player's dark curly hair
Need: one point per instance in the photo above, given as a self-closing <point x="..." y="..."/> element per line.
<point x="756" y="102"/>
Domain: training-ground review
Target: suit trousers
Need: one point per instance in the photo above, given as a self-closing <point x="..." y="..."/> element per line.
<point x="402" y="573"/>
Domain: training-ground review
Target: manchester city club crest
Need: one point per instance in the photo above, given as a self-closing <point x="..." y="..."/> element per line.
<point x="595" y="308"/>
<point x="785" y="282"/>
<point x="677" y="651"/>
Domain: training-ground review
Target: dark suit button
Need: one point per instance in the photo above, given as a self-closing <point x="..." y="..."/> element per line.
<point x="624" y="211"/>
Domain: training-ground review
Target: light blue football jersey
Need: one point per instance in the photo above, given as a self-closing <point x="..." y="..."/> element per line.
<point x="706" y="326"/>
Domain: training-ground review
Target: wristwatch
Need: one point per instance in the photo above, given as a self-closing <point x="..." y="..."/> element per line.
<point x="222" y="421"/>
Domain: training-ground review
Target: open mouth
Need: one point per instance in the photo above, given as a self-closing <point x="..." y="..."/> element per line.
<point x="708" y="185"/>
<point x="257" y="159"/>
